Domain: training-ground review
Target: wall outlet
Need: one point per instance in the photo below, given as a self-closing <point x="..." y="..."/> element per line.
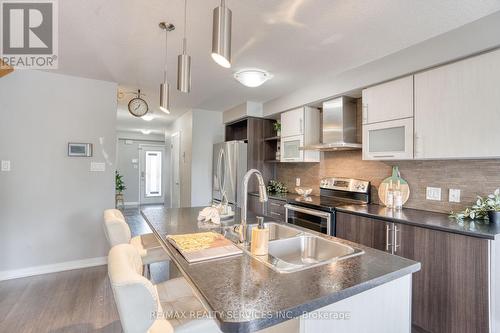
<point x="433" y="193"/>
<point x="6" y="166"/>
<point x="454" y="195"/>
<point x="97" y="167"/>
<point x="297" y="182"/>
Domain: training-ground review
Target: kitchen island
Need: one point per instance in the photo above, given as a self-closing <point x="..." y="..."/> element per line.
<point x="361" y="293"/>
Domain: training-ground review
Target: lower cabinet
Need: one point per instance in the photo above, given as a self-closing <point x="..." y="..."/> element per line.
<point x="451" y="291"/>
<point x="272" y="208"/>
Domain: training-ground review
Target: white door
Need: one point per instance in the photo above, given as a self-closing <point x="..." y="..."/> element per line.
<point x="152" y="174"/>
<point x="175" y="163"/>
<point x="388" y="101"/>
<point x="457" y="109"/>
<point x="292" y="122"/>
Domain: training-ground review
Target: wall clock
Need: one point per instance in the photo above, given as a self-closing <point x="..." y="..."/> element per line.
<point x="137" y="106"/>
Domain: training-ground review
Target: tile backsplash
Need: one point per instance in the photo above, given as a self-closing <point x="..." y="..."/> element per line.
<point x="472" y="177"/>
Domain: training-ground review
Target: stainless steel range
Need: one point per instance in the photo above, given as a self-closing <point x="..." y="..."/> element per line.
<point x="318" y="212"/>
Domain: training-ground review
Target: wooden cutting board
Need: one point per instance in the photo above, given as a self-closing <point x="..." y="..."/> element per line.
<point x="203" y="246"/>
<point x="395" y="178"/>
<point x="5" y="69"/>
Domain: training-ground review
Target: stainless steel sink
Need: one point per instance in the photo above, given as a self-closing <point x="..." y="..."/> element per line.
<point x="305" y="251"/>
<point x="276" y="231"/>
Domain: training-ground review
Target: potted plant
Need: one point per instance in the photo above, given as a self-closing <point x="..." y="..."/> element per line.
<point x="277" y="127"/>
<point x="119" y="188"/>
<point x="484" y="208"/>
<point x="493" y="205"/>
<point x="276" y="187"/>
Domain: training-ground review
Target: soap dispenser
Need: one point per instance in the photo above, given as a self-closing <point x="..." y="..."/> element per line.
<point x="260" y="238"/>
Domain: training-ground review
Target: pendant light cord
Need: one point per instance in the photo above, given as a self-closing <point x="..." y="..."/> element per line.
<point x="184" y="41"/>
<point x="166" y="56"/>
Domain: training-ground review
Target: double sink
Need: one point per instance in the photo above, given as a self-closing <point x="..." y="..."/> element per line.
<point x="292" y="250"/>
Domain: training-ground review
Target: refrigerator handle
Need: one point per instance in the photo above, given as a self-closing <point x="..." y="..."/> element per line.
<point x="222" y="183"/>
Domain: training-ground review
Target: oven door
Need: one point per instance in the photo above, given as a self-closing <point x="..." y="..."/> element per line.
<point x="313" y="219"/>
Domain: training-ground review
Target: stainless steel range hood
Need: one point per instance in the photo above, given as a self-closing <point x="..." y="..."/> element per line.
<point x="339" y="126"/>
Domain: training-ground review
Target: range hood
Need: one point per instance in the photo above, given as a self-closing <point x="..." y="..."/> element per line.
<point x="339" y="126"/>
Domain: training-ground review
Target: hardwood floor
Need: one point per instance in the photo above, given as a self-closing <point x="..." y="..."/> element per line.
<point x="77" y="301"/>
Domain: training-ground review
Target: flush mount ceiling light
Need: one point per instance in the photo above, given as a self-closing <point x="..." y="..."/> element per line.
<point x="252" y="77"/>
<point x="184" y="62"/>
<point x="164" y="87"/>
<point x="148" y="117"/>
<point x="145" y="132"/>
<point x="221" y="35"/>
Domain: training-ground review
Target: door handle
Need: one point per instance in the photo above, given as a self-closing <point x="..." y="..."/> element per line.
<point x="396" y="245"/>
<point x="388" y="244"/>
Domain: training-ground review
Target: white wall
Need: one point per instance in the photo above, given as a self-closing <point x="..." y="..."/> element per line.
<point x="207" y="130"/>
<point x="51" y="205"/>
<point x="466" y="40"/>
<point x="199" y="129"/>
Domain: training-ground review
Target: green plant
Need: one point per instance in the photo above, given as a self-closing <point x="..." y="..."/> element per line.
<point x="481" y="208"/>
<point x="277" y="126"/>
<point x="119" y="183"/>
<point x="276" y="187"/>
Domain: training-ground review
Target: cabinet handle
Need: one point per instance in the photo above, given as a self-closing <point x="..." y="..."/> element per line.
<point x="383" y="156"/>
<point x="277" y="214"/>
<point x="364" y="113"/>
<point x="388" y="245"/>
<point x="396" y="245"/>
<point x="275" y="204"/>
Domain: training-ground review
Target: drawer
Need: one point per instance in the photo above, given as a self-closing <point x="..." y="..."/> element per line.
<point x="276" y="209"/>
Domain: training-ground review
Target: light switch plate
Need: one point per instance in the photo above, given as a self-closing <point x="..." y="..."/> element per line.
<point x="433" y="193"/>
<point x="454" y="195"/>
<point x="6" y="166"/>
<point x="97" y="167"/>
<point x="297" y="182"/>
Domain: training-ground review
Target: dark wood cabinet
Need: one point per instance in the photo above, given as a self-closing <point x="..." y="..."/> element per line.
<point x="255" y="206"/>
<point x="451" y="291"/>
<point x="363" y="230"/>
<point x="276" y="209"/>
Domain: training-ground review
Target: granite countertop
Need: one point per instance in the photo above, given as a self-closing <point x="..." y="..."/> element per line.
<point x="426" y="219"/>
<point x="247" y="296"/>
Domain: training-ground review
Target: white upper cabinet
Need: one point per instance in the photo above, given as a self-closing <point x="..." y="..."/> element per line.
<point x="388" y="101"/>
<point x="300" y="128"/>
<point x="292" y="122"/>
<point x="457" y="109"/>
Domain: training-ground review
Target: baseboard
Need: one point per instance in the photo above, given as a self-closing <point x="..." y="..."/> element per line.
<point x="53" y="268"/>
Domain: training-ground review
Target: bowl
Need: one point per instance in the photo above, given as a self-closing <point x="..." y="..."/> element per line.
<point x="304" y="191"/>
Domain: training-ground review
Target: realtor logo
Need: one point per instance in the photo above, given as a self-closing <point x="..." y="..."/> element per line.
<point x="29" y="34"/>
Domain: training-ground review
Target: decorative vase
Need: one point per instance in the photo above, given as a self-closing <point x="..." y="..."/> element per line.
<point x="494" y="216"/>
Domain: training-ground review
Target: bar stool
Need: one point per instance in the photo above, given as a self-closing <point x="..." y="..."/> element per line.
<point x="117" y="232"/>
<point x="141" y="307"/>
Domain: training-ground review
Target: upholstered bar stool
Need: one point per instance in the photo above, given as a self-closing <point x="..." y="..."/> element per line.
<point x="118" y="232"/>
<point x="139" y="303"/>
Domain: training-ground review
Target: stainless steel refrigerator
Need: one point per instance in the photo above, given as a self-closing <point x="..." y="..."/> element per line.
<point x="229" y="167"/>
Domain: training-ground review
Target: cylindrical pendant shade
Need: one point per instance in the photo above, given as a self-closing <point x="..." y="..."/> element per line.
<point x="184" y="73"/>
<point x="221" y="36"/>
<point x="164" y="97"/>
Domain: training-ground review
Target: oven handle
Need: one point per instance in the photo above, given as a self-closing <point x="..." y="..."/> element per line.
<point x="312" y="212"/>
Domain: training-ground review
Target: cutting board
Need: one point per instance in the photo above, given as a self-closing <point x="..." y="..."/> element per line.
<point x="384" y="186"/>
<point x="203" y="246"/>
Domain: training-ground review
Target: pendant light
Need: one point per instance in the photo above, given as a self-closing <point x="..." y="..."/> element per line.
<point x="164" y="87"/>
<point x="184" y="62"/>
<point x="221" y="35"/>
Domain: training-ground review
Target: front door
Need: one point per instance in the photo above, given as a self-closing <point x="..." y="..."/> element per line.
<point x="152" y="174"/>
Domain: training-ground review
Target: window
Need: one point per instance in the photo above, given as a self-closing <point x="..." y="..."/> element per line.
<point x="153" y="173"/>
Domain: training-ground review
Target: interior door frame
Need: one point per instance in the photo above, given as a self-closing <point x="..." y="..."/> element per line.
<point x="141" y="166"/>
<point x="172" y="176"/>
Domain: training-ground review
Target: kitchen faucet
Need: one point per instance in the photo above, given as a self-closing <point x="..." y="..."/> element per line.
<point x="244" y="208"/>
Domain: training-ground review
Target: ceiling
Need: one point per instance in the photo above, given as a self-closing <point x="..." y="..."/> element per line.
<point x="296" y="40"/>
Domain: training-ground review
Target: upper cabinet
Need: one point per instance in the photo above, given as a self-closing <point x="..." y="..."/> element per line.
<point x="388" y="121"/>
<point x="457" y="109"/>
<point x="299" y="128"/>
<point x="388" y="101"/>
